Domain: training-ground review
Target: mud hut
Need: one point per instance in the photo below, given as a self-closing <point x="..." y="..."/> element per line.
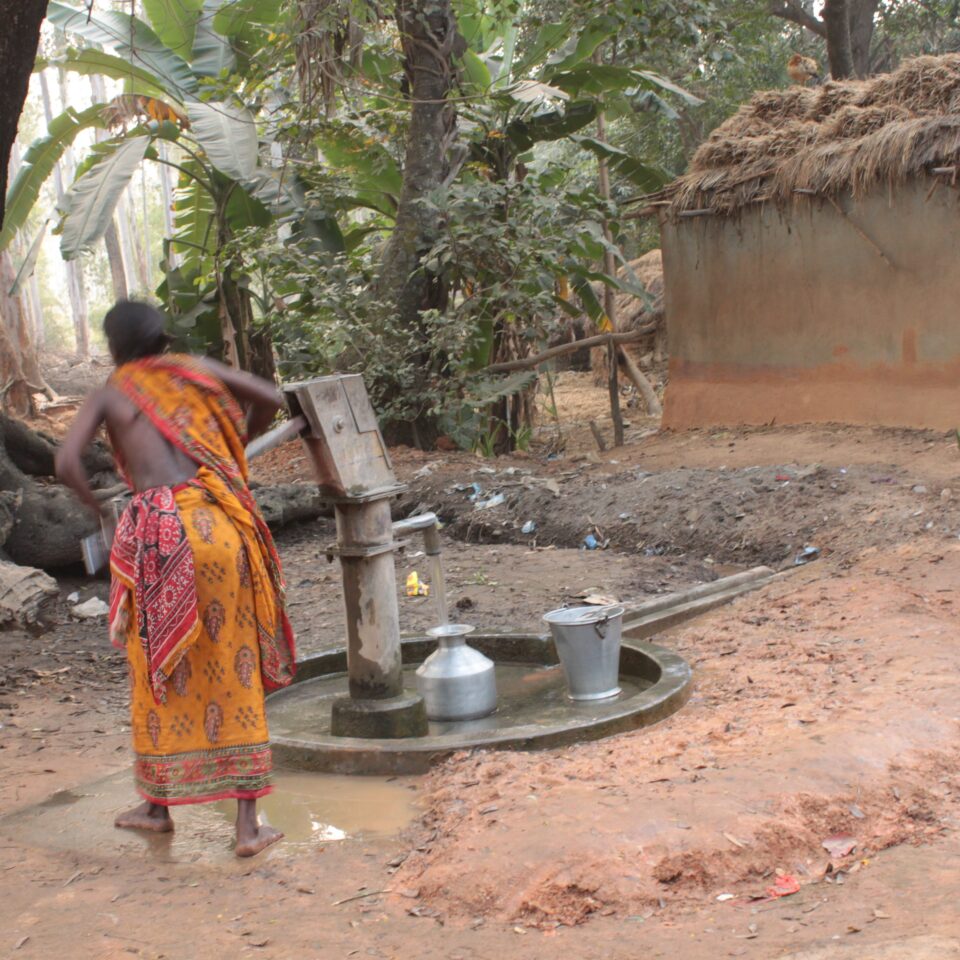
<point x="810" y="257"/>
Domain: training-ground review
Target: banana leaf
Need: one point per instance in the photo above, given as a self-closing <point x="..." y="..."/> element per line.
<point x="90" y="62"/>
<point x="38" y="164"/>
<point x="29" y="261"/>
<point x="91" y="200"/>
<point x="228" y="136"/>
<point x="175" y="22"/>
<point x="212" y="53"/>
<point x="551" y="124"/>
<point x="193" y="219"/>
<point x="234" y="17"/>
<point x="647" y="176"/>
<point x="132" y="39"/>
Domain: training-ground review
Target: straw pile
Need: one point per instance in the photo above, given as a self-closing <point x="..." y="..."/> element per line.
<point x="853" y="136"/>
<point x="634" y="312"/>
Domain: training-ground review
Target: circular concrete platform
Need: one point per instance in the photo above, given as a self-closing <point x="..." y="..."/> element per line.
<point x="533" y="709"/>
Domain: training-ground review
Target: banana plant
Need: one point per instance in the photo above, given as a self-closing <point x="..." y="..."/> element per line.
<point x="174" y="69"/>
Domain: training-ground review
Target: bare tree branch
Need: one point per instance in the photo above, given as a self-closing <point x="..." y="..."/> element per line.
<point x="792" y="10"/>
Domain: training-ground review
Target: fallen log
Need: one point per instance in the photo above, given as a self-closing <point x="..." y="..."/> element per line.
<point x="285" y="503"/>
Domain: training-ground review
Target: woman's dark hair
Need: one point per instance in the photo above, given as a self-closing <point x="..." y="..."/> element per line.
<point x="134" y="330"/>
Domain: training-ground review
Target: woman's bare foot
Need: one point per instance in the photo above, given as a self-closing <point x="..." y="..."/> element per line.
<point x="250" y="846"/>
<point x="148" y="816"/>
<point x="252" y="836"/>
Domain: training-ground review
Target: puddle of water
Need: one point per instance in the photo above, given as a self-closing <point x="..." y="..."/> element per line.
<point x="311" y="809"/>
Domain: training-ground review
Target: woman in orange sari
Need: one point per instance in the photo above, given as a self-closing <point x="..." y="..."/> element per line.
<point x="197" y="593"/>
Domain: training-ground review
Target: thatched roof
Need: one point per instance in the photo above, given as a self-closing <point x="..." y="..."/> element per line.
<point x="852" y="136"/>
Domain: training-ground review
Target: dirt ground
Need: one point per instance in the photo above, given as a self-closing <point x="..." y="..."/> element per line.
<point x="819" y="750"/>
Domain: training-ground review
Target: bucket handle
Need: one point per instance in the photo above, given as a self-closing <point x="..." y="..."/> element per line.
<point x="600" y="626"/>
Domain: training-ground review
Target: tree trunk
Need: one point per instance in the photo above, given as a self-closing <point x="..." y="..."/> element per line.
<point x="77" y="284"/>
<point x="166" y="192"/>
<point x="40" y="330"/>
<point x="839" y="48"/>
<point x="111" y="239"/>
<point x="118" y="276"/>
<point x="123" y="222"/>
<point x="19" y="38"/>
<point x="244" y="347"/>
<point x="145" y="231"/>
<point x="846" y="25"/>
<point x="427" y="31"/>
<point x="21" y="326"/>
<point x="136" y="240"/>
<point x="861" y="14"/>
<point x="262" y="361"/>
<point x="76" y="288"/>
<point x="20" y="375"/>
<point x="609" y="300"/>
<point x="30" y="297"/>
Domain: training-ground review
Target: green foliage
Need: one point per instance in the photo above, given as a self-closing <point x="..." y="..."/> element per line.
<point x="374" y="173"/>
<point x="646" y="176"/>
<point x="29" y="261"/>
<point x="235" y="18"/>
<point x="91" y="62"/>
<point x="503" y="252"/>
<point x="503" y="249"/>
<point x="293" y="196"/>
<point x="38" y="163"/>
<point x="132" y="39"/>
<point x="175" y="22"/>
<point x="212" y="54"/>
<point x="227" y="134"/>
<point x="90" y="204"/>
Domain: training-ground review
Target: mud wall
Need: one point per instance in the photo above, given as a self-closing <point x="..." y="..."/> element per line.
<point x="812" y="315"/>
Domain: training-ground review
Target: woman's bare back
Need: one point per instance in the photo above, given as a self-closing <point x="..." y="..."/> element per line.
<point x="150" y="459"/>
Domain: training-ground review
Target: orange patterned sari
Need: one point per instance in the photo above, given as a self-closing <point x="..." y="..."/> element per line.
<point x="197" y="598"/>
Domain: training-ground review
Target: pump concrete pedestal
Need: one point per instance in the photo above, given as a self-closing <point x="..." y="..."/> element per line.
<point x="354" y="471"/>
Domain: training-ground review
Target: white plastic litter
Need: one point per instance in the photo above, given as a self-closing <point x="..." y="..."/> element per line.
<point x="90" y="609"/>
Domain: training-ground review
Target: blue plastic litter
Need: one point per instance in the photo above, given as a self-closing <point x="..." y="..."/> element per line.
<point x="590" y="542"/>
<point x="806" y="555"/>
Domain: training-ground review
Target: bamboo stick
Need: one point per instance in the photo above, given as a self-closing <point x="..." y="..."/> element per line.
<point x="528" y="363"/>
<point x="610" y="268"/>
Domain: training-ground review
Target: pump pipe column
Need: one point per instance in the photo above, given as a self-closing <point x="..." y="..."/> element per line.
<point x="353" y="470"/>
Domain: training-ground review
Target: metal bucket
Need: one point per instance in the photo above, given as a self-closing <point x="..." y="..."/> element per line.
<point x="588" y="644"/>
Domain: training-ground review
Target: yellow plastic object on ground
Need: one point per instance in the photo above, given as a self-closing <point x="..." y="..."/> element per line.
<point x="416" y="587"/>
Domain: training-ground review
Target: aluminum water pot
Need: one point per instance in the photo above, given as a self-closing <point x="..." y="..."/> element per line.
<point x="456" y="681"/>
<point x="588" y="645"/>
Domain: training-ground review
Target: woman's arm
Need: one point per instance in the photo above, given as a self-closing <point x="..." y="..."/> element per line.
<point x="263" y="398"/>
<point x="68" y="462"/>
